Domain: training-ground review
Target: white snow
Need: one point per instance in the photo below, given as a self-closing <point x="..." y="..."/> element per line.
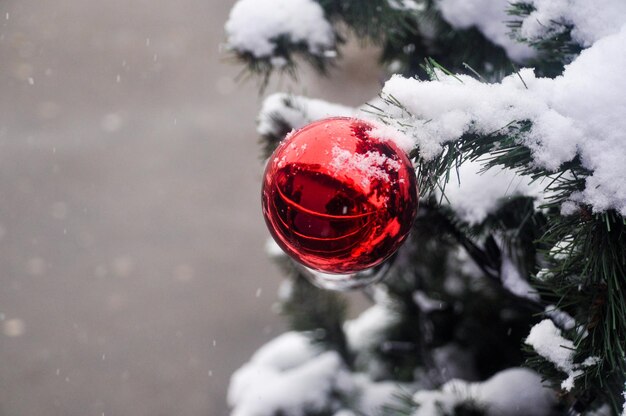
<point x="548" y="341"/>
<point x="434" y="403"/>
<point x="466" y="265"/>
<point x="307" y="386"/>
<point x="371" y="165"/>
<point x="272" y="249"/>
<point x="513" y="281"/>
<point x="514" y="392"/>
<point x="603" y="410"/>
<point x="367" y="330"/>
<point x="441" y="111"/>
<point x="288" y="350"/>
<point x="580" y="112"/>
<point x="345" y="412"/>
<point x="544" y="275"/>
<point x="591" y="361"/>
<point x="300" y="112"/>
<point x="563" y="249"/>
<point x="285" y="290"/>
<point x="291" y="376"/>
<point x="490" y="17"/>
<point x="254" y="25"/>
<point x="384" y="132"/>
<point x="511" y="278"/>
<point x="559" y="317"/>
<point x="406" y="5"/>
<point x="425" y="303"/>
<point x="517" y="391"/>
<point x="477" y="194"/>
<point x="569" y="208"/>
<point x="283" y="353"/>
<point x="591" y="20"/>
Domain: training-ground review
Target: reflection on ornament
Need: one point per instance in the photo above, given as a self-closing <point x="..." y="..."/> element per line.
<point x="346" y="282"/>
<point x="338" y="200"/>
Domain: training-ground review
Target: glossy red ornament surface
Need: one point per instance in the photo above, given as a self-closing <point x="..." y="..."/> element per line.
<point x="336" y="199"/>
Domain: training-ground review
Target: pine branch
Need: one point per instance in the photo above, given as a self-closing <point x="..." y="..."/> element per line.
<point x="284" y="60"/>
<point x="589" y="275"/>
<point x="589" y="278"/>
<point x="407" y="36"/>
<point x="555" y="50"/>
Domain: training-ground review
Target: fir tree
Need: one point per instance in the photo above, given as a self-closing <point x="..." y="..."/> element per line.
<point x="509" y="297"/>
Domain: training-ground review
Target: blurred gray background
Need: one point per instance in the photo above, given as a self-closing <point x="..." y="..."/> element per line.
<point x="132" y="274"/>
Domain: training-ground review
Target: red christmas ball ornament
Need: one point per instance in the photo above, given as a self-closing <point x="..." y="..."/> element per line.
<point x="337" y="199"/>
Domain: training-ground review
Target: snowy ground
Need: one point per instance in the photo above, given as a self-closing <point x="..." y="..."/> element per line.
<point x="131" y="265"/>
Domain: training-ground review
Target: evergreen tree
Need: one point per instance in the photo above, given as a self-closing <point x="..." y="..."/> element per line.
<point x="509" y="296"/>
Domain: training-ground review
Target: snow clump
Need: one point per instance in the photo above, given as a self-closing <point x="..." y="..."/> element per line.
<point x="368" y="329"/>
<point x="295" y="111"/>
<point x="478" y="194"/>
<point x="254" y="26"/>
<point x="290" y="375"/>
<point x="590" y="20"/>
<point x="548" y="341"/>
<point x="287" y="373"/>
<point x="578" y="113"/>
<point x="372" y="165"/>
<point x="511" y="392"/>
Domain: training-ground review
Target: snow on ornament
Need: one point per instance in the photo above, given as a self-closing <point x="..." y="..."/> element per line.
<point x="338" y="199"/>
